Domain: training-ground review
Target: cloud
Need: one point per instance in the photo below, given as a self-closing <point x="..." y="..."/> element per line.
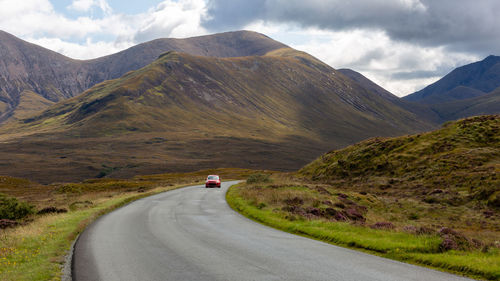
<point x="33" y="18"/>
<point x="88" y="49"/>
<point x="37" y="21"/>
<point x="81" y="5"/>
<point x="400" y="67"/>
<point x="457" y="24"/>
<point x="172" y="19"/>
<point x="87" y="5"/>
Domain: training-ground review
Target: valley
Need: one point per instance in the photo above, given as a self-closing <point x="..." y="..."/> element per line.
<point x="323" y="153"/>
<point x="273" y="111"/>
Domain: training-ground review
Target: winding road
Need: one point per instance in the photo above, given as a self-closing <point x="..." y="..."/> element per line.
<point x="192" y="234"/>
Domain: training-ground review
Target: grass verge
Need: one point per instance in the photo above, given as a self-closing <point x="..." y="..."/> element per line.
<point x="416" y="249"/>
<point x="36" y="251"/>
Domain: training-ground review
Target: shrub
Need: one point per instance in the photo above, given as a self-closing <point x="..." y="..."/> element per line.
<point x="49" y="210"/>
<point x="5" y="223"/>
<point x="257" y="178"/>
<point x="382" y="225"/>
<point x="80" y="205"/>
<point x="494" y="200"/>
<point x="13" y="209"/>
<point x="261" y="205"/>
<point x="413" y="216"/>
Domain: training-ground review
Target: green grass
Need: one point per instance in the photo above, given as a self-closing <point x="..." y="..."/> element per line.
<point x="36" y="251"/>
<point x="417" y="249"/>
<point x="473" y="264"/>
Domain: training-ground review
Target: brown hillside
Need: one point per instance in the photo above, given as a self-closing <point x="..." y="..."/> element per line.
<point x="186" y="112"/>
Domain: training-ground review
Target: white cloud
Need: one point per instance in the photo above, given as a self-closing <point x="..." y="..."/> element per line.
<point x="81" y="5"/>
<point x="174" y="19"/>
<point x="87" y="5"/>
<point x="34" y="18"/>
<point x="399" y="67"/>
<point x="37" y="21"/>
<point x="86" y="50"/>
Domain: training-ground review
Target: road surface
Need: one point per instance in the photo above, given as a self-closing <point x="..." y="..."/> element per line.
<point x="192" y="234"/>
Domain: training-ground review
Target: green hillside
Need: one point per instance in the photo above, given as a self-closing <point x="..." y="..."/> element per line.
<point x="462" y="159"/>
<point x="431" y="199"/>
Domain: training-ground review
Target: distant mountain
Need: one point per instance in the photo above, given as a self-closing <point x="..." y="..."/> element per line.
<point x="184" y="112"/>
<point x="482" y="105"/>
<point x="28" y="68"/>
<point x="469" y="81"/>
<point x="423" y="111"/>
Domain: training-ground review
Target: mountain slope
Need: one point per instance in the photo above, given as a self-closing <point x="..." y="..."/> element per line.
<point x="421" y="110"/>
<point x="367" y="84"/>
<point x="464" y="82"/>
<point x="275" y="111"/>
<point x="284" y="87"/>
<point x="463" y="154"/>
<point x="455" y="167"/>
<point x="482" y="105"/>
<point x="28" y="67"/>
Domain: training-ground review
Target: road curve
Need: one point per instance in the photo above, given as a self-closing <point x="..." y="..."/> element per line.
<point x="192" y="234"/>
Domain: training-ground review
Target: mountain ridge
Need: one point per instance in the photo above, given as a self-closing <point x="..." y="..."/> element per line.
<point x="468" y="81"/>
<point x="55" y="77"/>
<point x="185" y="112"/>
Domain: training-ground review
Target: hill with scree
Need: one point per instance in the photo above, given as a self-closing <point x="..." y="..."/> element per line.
<point x="31" y="77"/>
<point x="276" y="111"/>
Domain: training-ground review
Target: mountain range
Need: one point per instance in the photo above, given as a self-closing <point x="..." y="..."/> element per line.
<point x="236" y="99"/>
<point x="32" y="77"/>
<point x="465" y="82"/>
<point x="472" y="89"/>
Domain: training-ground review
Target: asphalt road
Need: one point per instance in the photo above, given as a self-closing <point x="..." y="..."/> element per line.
<point x="192" y="234"/>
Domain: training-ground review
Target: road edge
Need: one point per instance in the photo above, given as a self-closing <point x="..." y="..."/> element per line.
<point x="67" y="268"/>
<point x="235" y="207"/>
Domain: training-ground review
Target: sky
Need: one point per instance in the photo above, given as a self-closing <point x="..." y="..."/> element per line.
<point x="402" y="45"/>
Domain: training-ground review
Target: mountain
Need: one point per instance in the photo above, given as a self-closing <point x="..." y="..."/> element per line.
<point x="28" y="68"/>
<point x="368" y="84"/>
<point x="184" y="112"/>
<point x="482" y="105"/>
<point x="421" y="110"/>
<point x="468" y="81"/>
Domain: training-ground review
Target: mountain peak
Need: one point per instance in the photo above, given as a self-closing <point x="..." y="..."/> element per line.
<point x="492" y="57"/>
<point x="26" y="67"/>
<point x="477" y="78"/>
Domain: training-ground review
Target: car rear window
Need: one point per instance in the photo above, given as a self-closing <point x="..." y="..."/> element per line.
<point x="213" y="177"/>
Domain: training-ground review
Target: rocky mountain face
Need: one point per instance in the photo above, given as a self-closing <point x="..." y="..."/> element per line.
<point x="54" y="77"/>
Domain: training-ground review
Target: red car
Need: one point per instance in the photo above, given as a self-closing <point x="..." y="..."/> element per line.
<point x="212" y="181"/>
